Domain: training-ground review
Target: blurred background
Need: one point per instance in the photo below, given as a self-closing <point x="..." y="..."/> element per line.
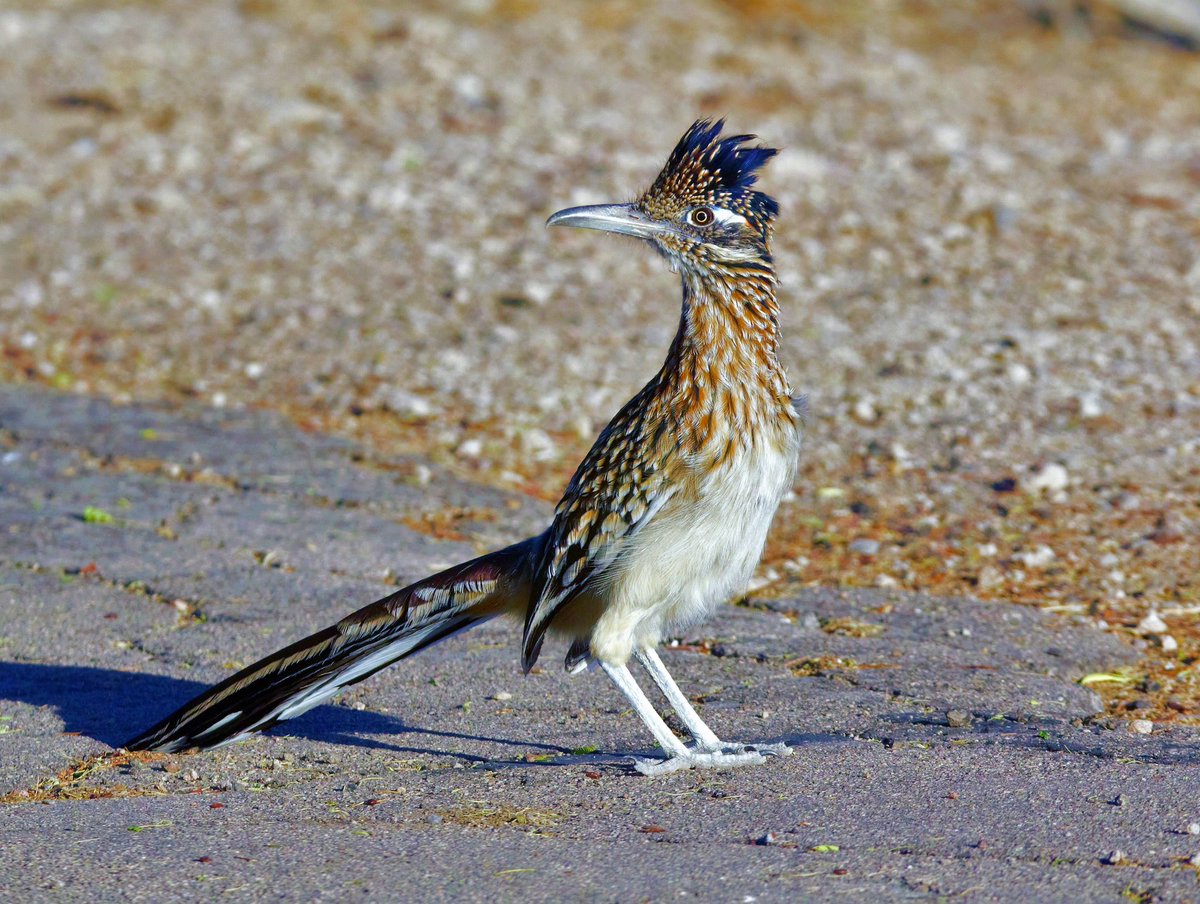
<point x="988" y="249"/>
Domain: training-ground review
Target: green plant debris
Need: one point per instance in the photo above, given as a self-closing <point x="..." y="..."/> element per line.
<point x="499" y="817"/>
<point x="166" y="823"/>
<point x="849" y="627"/>
<point x="811" y="666"/>
<point x="1107" y="678"/>
<point x="584" y="750"/>
<point x="149" y="434"/>
<point x="94" y="515"/>
<point x="104" y="294"/>
<point x="72" y="783"/>
<point x="824" y="848"/>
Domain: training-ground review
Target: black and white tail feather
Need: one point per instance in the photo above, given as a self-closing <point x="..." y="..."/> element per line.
<point x="311" y="671"/>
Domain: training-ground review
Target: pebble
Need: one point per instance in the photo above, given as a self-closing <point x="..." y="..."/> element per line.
<point x="1169" y="644"/>
<point x="1152" y="624"/>
<point x="502" y="696"/>
<point x="1089" y="406"/>
<point x="1019" y="374"/>
<point x="957" y="718"/>
<point x="1141" y="726"/>
<point x="1114" y="858"/>
<point x="1051" y="478"/>
<point x="865" y="546"/>
<point x="471" y="448"/>
<point x="864" y="411"/>
<point x="1193" y="828"/>
<point x="1195" y="861"/>
<point x="1038" y="558"/>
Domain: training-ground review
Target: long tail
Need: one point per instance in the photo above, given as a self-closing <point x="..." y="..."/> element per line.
<point x="312" y="670"/>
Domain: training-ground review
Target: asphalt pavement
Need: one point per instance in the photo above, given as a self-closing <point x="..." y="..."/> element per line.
<point x="944" y="749"/>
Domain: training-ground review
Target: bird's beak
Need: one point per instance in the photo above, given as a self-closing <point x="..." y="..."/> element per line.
<point x="625" y="219"/>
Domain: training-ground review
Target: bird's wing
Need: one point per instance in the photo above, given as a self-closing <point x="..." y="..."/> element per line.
<point x="617" y="491"/>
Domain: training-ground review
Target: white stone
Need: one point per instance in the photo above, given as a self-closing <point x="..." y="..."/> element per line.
<point x="1141" y="726"/>
<point x="864" y="411"/>
<point x="1019" y="374"/>
<point x="1052" y="477"/>
<point x="1169" y="644"/>
<point x="471" y="448"/>
<point x="1038" y="558"/>
<point x="1152" y="624"/>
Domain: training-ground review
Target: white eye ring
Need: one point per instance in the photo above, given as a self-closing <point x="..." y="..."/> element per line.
<point x="706" y="216"/>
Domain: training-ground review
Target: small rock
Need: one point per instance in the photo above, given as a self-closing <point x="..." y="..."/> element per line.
<point x="989" y="576"/>
<point x="864" y="411"/>
<point x="1114" y="858"/>
<point x="1193" y="828"/>
<point x="1052" y="478"/>
<point x="1169" y="644"/>
<point x="767" y="839"/>
<point x="434" y="819"/>
<point x="1038" y="558"/>
<point x="1089" y="406"/>
<point x="865" y="546"/>
<point x="1152" y="624"/>
<point x="957" y="718"/>
<point x="502" y="696"/>
<point x="1019" y="374"/>
<point x="1195" y="861"/>
<point x="1141" y="726"/>
<point x="471" y="448"/>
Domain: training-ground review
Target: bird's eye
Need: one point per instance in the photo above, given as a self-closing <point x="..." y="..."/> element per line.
<point x="701" y="216"/>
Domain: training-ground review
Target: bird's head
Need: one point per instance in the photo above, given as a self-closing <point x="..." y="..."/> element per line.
<point x="702" y="211"/>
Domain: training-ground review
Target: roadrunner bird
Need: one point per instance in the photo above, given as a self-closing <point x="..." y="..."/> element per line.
<point x="665" y="519"/>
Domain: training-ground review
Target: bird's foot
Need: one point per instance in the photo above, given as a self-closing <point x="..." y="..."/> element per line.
<point x="726" y="756"/>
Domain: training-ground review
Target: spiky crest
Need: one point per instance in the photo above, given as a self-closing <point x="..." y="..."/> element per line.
<point x="705" y="168"/>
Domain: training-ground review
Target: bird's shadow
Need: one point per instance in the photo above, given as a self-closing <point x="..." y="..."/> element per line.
<point x="110" y="706"/>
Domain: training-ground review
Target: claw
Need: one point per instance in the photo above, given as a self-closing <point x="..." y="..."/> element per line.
<point x="727" y="756"/>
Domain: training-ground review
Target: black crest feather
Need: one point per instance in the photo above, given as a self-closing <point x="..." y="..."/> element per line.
<point x="719" y="165"/>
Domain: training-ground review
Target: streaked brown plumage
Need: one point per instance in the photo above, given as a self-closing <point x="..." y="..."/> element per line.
<point x="664" y="519"/>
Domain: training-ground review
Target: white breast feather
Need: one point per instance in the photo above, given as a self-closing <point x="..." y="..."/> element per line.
<point x="693" y="557"/>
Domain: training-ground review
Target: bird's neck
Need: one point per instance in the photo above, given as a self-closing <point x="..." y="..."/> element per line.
<point x="723" y="371"/>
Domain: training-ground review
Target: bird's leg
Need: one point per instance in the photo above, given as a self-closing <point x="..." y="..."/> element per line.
<point x="679" y="755"/>
<point x="706" y="739"/>
<point x="626" y="684"/>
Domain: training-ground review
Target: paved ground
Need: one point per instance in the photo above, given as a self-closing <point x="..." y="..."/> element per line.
<point x="943" y="747"/>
